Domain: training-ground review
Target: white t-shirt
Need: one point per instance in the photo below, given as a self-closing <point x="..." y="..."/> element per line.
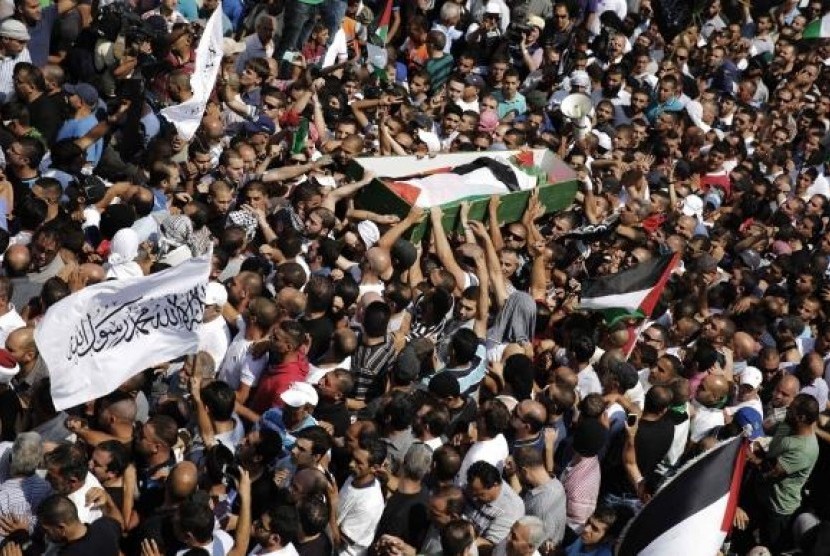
<point x="239" y="366"/>
<point x="214" y="338"/>
<point x="87" y="514"/>
<point x="588" y="382"/>
<point x="359" y="511"/>
<point x="493" y="451"/>
<point x="704" y="420"/>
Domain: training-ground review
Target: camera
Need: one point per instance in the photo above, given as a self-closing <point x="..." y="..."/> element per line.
<point x="516" y="31"/>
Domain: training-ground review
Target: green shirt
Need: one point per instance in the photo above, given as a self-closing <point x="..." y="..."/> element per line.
<point x="796" y="455"/>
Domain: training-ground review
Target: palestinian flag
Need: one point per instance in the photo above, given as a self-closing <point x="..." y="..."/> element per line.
<point x="383" y="22"/>
<point x="692" y="513"/>
<point x="633" y="292"/>
<point x="817" y="29"/>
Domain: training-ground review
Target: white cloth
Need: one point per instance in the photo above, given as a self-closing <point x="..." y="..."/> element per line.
<point x="10" y="322"/>
<point x="493" y="451"/>
<point x="187" y="116"/>
<point x="358" y="513"/>
<point x="98" y="337"/>
<point x="86" y="513"/>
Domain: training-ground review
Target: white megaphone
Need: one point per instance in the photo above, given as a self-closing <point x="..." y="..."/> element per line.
<point x="576" y="108"/>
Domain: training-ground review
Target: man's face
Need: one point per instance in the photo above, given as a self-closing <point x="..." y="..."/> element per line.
<point x="221" y="201"/>
<point x="518" y="541"/>
<point x="509" y="264"/>
<point x="480" y="494"/>
<point x="12" y="47"/>
<point x="438" y="513"/>
<point x="594" y="531"/>
<point x="265" y="30"/>
<point x="450" y="123"/>
<point x="666" y="91"/>
<point x="301" y="454"/>
<point x="31" y="11"/>
<point x="561" y="18"/>
<point x="715" y="57"/>
<point x="467" y="309"/>
<point x="60" y="484"/>
<point x="465" y="65"/>
<point x="510" y="86"/>
<point x="455" y="90"/>
<point x="313" y="225"/>
<point x="783" y="394"/>
<point x="327" y="388"/>
<point x="604" y="113"/>
<point x="418" y="85"/>
<point x="497" y="71"/>
<point x="98" y="465"/>
<point x="234" y="170"/>
<point x="360" y="466"/>
<point x="44" y="251"/>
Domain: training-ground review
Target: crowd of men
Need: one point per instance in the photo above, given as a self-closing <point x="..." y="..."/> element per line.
<point x="358" y="393"/>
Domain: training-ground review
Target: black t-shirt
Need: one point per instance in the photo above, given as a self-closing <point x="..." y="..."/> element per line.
<point x="653" y="441"/>
<point x="101" y="538"/>
<point x="314" y="547"/>
<point x="321" y="330"/>
<point x="46" y="114"/>
<point x="406" y="516"/>
<point x="334" y="413"/>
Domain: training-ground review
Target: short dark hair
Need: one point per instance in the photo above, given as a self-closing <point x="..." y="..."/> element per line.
<point x="314" y="515"/>
<point x="375" y="446"/>
<point x="319" y="438"/>
<point x="119" y="457"/>
<point x="463" y="345"/>
<point x="376" y="319"/>
<point x="70" y="461"/>
<point x="219" y="398"/>
<point x="196" y="517"/>
<point x="57" y="510"/>
<point x="487" y="473"/>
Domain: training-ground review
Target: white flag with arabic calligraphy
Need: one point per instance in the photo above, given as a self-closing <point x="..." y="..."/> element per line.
<point x="100" y="336"/>
<point x="188" y="115"/>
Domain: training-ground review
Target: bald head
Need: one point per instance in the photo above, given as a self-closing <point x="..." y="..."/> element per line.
<point x="308" y="482"/>
<point x="94" y="273"/>
<point x="182" y="481"/>
<point x="251" y="282"/>
<point x="744" y="346"/>
<point x="379" y="261"/>
<point x="712" y="390"/>
<point x="21" y="340"/>
<point x="212" y="126"/>
<point x="124" y="410"/>
<point x="17" y="260"/>
<point x="291" y="301"/>
<point x="532" y="411"/>
<point x="786" y="389"/>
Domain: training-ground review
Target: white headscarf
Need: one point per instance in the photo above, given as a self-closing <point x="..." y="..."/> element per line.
<point x="123" y="252"/>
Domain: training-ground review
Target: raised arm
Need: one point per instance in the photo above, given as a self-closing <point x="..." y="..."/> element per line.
<point x="493" y="264"/>
<point x="480" y="324"/>
<point x="344" y="191"/>
<point x="443" y="249"/>
<point x="495" y="225"/>
<point x="393" y="234"/>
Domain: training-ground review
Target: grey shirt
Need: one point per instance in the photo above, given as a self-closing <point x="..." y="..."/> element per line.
<point x="493" y="520"/>
<point x="548" y="503"/>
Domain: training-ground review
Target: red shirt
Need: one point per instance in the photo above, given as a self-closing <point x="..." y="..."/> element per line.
<point x="275" y="381"/>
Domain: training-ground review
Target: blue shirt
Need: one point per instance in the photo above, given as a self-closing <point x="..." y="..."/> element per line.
<point x="505" y="106"/>
<point x="473" y="373"/>
<point x="72" y="129"/>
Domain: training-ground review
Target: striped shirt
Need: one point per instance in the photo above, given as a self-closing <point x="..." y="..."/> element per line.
<point x="581" y="481"/>
<point x="7" y="64"/>
<point x="369" y="367"/>
<point x="20" y="496"/>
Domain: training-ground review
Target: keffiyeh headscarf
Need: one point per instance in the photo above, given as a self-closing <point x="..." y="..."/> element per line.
<point x="177" y="231"/>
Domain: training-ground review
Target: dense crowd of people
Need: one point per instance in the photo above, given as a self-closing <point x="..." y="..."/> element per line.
<point x="355" y="392"/>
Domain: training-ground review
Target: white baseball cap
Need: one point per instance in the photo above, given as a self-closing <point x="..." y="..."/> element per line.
<point x="751" y="377"/>
<point x="300" y="394"/>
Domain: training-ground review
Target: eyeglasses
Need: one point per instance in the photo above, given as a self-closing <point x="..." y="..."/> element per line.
<point x="512" y="236"/>
<point x="652" y="339"/>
